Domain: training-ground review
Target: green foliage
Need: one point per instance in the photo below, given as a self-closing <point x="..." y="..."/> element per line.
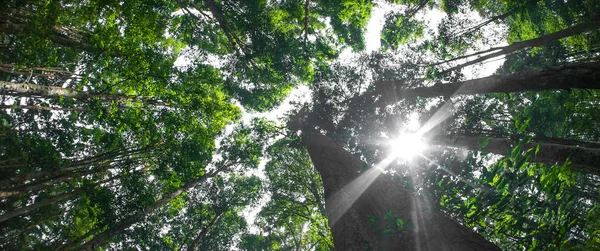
<point x="295" y="216"/>
<point x="398" y="30"/>
<point x="142" y="127"/>
<point x="126" y="137"/>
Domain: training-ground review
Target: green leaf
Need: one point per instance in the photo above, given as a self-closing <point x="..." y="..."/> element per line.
<point x="486" y="142"/>
<point x="399" y="223"/>
<point x="373" y="219"/>
<point x="388" y="215"/>
<point x="524" y="126"/>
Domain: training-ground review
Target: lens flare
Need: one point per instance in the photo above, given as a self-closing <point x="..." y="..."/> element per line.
<point x="407" y="146"/>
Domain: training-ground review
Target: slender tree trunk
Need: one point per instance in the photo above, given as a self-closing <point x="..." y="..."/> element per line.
<point x="17" y="26"/>
<point x="33" y="90"/>
<point x="315" y="191"/>
<point x="114" y="230"/>
<point x="306" y="13"/>
<point x="575" y="76"/>
<point x="45" y="202"/>
<point x="574" y="30"/>
<point x="349" y="211"/>
<point x="35" y="224"/>
<point x="74" y="243"/>
<point x="60" y="35"/>
<point x="583" y="159"/>
<point x="224" y="24"/>
<point x="99" y="163"/>
<point x="48" y="183"/>
<point x="41" y="108"/>
<point x="500" y="17"/>
<point x="204" y="231"/>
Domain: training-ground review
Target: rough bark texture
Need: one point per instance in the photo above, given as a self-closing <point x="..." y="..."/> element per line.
<point x="349" y="219"/>
<point x="583" y="158"/>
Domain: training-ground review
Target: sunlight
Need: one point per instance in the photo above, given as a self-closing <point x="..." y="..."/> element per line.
<point x="343" y="199"/>
<point x="407" y="146"/>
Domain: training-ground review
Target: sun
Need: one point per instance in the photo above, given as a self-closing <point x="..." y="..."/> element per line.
<point x="407" y="146"/>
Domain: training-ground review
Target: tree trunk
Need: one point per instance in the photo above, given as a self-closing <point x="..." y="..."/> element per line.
<point x="32" y="187"/>
<point x="23" y="230"/>
<point x="204" y="231"/>
<point x="33" y="90"/>
<point x="16" y="26"/>
<point x="41" y="108"/>
<point x="45" y="202"/>
<point x="349" y="211"/>
<point x="60" y="35"/>
<point x="580" y="76"/>
<point x="577" y="29"/>
<point x="583" y="158"/>
<point x="561" y="141"/>
<point x="94" y="164"/>
<point x="114" y="230"/>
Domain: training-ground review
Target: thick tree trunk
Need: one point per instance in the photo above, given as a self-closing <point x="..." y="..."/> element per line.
<point x="583" y="158"/>
<point x="588" y="144"/>
<point x="349" y="210"/>
<point x="581" y="76"/>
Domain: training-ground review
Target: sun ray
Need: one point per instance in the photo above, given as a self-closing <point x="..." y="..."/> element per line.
<point x="346" y="196"/>
<point x="438" y="117"/>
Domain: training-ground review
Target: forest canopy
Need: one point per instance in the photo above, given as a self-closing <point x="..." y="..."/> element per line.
<point x="300" y="125"/>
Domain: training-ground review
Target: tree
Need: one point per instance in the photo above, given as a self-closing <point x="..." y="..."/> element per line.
<point x="349" y="207"/>
<point x="350" y="195"/>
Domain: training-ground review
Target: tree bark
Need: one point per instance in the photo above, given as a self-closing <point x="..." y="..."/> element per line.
<point x="583" y="158"/>
<point x="578" y="76"/>
<point x="24" y="210"/>
<point x="33" y="90"/>
<point x="204" y="231"/>
<point x="41" y="108"/>
<point x="349" y="218"/>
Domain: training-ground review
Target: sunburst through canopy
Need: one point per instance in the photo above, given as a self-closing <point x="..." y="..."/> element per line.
<point x="407" y="146"/>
